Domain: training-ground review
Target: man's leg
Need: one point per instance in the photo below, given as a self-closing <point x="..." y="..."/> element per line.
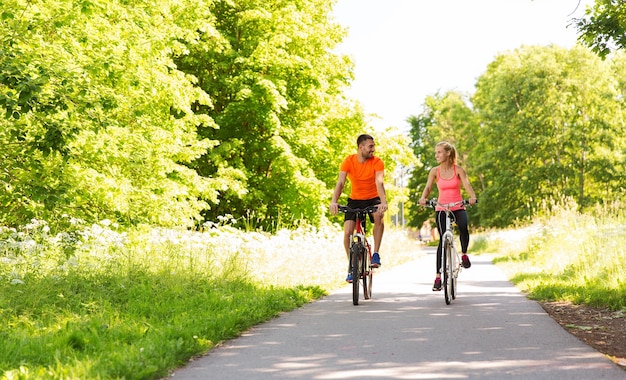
<point x="348" y="229"/>
<point x="379" y="228"/>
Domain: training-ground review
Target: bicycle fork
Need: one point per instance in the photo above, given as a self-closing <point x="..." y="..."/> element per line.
<point x="456" y="260"/>
<point x="359" y="238"/>
<point x="455" y="265"/>
<point x="355" y="239"/>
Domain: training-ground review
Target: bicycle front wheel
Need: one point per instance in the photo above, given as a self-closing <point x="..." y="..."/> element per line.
<point x="447" y="271"/>
<point x="356" y="269"/>
<point x="455" y="271"/>
<point x="367" y="274"/>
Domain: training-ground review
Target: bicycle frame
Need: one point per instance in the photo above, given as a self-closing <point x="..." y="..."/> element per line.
<point x="450" y="263"/>
<point x="359" y="234"/>
<point x="450" y="260"/>
<point x="360" y="254"/>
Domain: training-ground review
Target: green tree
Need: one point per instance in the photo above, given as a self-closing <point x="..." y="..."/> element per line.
<point x="445" y="117"/>
<point x="603" y="29"/>
<point x="173" y="112"/>
<point x="618" y="68"/>
<point x="275" y="86"/>
<point x="549" y="117"/>
<point x="393" y="147"/>
<point x="97" y="122"/>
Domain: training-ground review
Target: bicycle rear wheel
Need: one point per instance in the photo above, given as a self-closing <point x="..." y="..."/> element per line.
<point x="367" y="274"/>
<point x="447" y="271"/>
<point x="356" y="263"/>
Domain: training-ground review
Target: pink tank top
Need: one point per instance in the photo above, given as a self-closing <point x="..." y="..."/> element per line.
<point x="449" y="190"/>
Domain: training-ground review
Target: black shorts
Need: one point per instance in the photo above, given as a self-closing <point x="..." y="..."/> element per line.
<point x="353" y="203"/>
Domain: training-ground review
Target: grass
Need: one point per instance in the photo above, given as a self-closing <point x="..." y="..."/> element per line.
<point x="566" y="256"/>
<point x="100" y="303"/>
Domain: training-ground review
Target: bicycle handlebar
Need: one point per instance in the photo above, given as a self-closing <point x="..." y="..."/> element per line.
<point x="368" y="209"/>
<point x="434" y="203"/>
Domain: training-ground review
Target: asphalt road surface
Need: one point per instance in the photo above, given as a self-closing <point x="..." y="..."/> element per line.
<point x="406" y="331"/>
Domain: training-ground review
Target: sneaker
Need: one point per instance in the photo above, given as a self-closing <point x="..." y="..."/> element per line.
<point x="349" y="278"/>
<point x="437" y="284"/>
<point x="466" y="262"/>
<point x="375" y="260"/>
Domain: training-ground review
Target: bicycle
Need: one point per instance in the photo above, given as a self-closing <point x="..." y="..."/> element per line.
<point x="360" y="253"/>
<point x="450" y="261"/>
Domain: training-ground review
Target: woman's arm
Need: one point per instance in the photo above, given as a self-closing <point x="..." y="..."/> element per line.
<point x="432" y="177"/>
<point x="466" y="184"/>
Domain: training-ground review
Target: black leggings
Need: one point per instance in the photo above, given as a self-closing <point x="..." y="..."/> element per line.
<point x="461" y="222"/>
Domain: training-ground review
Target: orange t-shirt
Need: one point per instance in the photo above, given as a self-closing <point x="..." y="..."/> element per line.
<point x="362" y="176"/>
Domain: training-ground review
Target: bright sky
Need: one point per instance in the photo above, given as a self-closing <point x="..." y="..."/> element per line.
<point x="405" y="50"/>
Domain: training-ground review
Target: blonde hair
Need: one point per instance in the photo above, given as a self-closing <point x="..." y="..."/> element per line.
<point x="451" y="151"/>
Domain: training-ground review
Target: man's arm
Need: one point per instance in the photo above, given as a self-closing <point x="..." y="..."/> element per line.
<point x="341" y="181"/>
<point x="380" y="186"/>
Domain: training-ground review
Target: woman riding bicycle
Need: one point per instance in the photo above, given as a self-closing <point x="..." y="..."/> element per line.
<point x="449" y="176"/>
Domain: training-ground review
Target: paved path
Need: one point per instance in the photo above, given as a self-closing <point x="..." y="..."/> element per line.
<point x="491" y="331"/>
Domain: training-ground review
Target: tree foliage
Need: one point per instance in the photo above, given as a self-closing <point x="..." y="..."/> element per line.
<point x="545" y="124"/>
<point x="97" y="120"/>
<point x="603" y="29"/>
<point x="551" y="125"/>
<point x="274" y="87"/>
<point x="174" y="112"/>
<point x="445" y="117"/>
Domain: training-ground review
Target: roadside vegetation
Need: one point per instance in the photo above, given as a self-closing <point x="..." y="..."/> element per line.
<point x="566" y="256"/>
<point x="101" y="303"/>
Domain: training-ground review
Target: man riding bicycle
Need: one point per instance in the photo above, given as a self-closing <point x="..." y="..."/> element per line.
<point x="366" y="174"/>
